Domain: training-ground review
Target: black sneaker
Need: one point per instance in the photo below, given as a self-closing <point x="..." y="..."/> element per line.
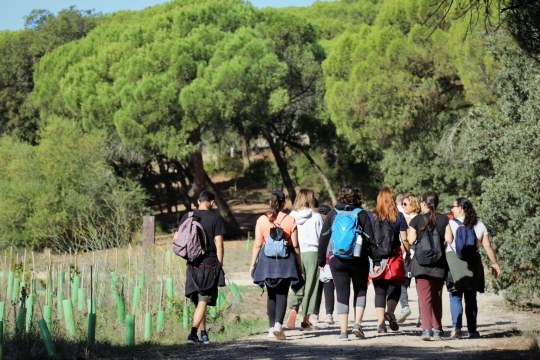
<point x="205" y="339"/>
<point x="193" y="339"/>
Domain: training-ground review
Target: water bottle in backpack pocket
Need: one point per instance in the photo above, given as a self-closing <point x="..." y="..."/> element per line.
<point x="465" y="241"/>
<point x="428" y="251"/>
<point x="345" y="233"/>
<point x="276" y="245"/>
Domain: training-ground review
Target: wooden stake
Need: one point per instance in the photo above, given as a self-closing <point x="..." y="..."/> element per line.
<point x="33" y="263"/>
<point x="47" y="287"/>
<point x="116" y="259"/>
<point x="106" y="254"/>
<point x="82" y="277"/>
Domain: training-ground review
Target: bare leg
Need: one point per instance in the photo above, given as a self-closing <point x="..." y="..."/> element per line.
<point x="199" y="316"/>
<point x="380" y="315"/>
<point x="343" y="322"/>
<point x="359" y="314"/>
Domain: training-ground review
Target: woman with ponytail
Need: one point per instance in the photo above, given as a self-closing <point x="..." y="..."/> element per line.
<point x="467" y="276"/>
<point x="277" y="274"/>
<point x="429" y="279"/>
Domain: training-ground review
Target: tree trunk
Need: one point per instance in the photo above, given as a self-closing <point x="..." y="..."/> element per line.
<point x="182" y="175"/>
<point x="198" y="180"/>
<point x="169" y="193"/>
<point x="322" y="176"/>
<point x="217" y="163"/>
<point x="282" y="165"/>
<point x="245" y="153"/>
<point x="231" y="225"/>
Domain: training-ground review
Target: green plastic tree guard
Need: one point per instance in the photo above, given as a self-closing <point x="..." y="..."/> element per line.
<point x="91" y="306"/>
<point x="92" y="319"/>
<point x="235" y="292"/>
<point x="20" y="323"/>
<point x="47" y="315"/>
<point x="47" y="338"/>
<point x="222" y="298"/>
<point x="121" y="309"/>
<point x="30" y="300"/>
<point x="15" y="290"/>
<point x="136" y="300"/>
<point x="147" y="327"/>
<point x="69" y="319"/>
<point x="114" y="286"/>
<point x="81" y="296"/>
<point x="160" y="321"/>
<point x="11" y="278"/>
<point x="50" y="299"/>
<point x="130" y="330"/>
<point x="59" y="310"/>
<point x="169" y="288"/>
<point x="248" y="244"/>
<point x="75" y="284"/>
<point x="2" y="310"/>
<point x="185" y="316"/>
<point x="213" y="312"/>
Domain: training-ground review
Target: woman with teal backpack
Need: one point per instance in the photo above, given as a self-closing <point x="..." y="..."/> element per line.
<point x="466" y="276"/>
<point x="345" y="266"/>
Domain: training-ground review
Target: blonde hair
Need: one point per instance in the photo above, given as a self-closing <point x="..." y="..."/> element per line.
<point x="414" y="201"/>
<point x="305" y="199"/>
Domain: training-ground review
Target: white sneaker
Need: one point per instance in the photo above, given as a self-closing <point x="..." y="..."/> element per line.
<point x="330" y="319"/>
<point x="271" y="333"/>
<point x="278" y="332"/>
<point x="313" y="318"/>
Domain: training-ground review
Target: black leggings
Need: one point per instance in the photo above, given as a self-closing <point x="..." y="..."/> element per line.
<point x="345" y="271"/>
<point x="276" y="304"/>
<point x="329" y="298"/>
<point x="385" y="290"/>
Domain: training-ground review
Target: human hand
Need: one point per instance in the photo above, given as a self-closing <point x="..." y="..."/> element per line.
<point x="495" y="270"/>
<point x="376" y="269"/>
<point x="251" y="270"/>
<point x="321" y="268"/>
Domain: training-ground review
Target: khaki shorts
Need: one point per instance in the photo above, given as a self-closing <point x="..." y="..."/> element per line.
<point x="210" y="300"/>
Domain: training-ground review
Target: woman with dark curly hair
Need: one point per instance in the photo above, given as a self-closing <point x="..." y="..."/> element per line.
<point x="346" y="270"/>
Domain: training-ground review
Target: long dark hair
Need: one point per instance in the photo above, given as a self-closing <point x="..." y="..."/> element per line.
<point x="350" y="195"/>
<point x="470" y="214"/>
<point x="276" y="206"/>
<point x="431" y="199"/>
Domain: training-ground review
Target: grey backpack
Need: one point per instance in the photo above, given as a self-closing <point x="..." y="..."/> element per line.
<point x="190" y="241"/>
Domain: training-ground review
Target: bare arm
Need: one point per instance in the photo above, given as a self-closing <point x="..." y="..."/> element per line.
<point x="296" y="246"/>
<point x="448" y="236"/>
<point x="257" y="244"/>
<point x="495" y="269"/>
<point x="405" y="242"/>
<point x="219" y="248"/>
<point x="411" y="235"/>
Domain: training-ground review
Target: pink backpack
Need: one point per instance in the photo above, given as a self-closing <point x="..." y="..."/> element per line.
<point x="190" y="242"/>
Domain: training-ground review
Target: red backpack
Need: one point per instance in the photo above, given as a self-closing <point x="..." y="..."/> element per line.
<point x="190" y="241"/>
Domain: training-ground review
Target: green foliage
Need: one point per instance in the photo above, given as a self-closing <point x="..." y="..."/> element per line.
<point x="21" y="51"/>
<point x="62" y="194"/>
<point x="508" y="136"/>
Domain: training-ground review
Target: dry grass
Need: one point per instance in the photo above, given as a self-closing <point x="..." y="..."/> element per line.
<point x="128" y="264"/>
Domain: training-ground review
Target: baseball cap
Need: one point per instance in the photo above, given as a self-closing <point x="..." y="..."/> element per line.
<point x="280" y="195"/>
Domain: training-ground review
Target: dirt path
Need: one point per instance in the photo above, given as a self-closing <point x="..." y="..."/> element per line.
<point x="498" y="326"/>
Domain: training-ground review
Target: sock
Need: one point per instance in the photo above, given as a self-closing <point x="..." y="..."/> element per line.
<point x="194" y="331"/>
<point x="203" y="332"/>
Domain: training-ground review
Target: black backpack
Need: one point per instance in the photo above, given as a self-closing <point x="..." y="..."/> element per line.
<point x="385" y="239"/>
<point x="428" y="250"/>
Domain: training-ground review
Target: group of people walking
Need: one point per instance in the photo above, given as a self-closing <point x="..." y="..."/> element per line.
<point x="316" y="250"/>
<point x="420" y="245"/>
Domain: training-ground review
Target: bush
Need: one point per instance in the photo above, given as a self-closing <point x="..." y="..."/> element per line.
<point x="62" y="194"/>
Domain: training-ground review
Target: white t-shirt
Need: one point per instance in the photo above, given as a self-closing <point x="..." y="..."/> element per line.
<point x="400" y="208"/>
<point x="479" y="229"/>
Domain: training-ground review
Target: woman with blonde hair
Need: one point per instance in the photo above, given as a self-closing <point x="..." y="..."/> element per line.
<point x="388" y="272"/>
<point x="308" y="224"/>
<point x="411" y="208"/>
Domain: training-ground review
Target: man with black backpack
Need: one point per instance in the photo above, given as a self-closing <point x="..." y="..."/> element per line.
<point x="205" y="273"/>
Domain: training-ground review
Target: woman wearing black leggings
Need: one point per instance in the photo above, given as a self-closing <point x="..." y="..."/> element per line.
<point x="344" y="271"/>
